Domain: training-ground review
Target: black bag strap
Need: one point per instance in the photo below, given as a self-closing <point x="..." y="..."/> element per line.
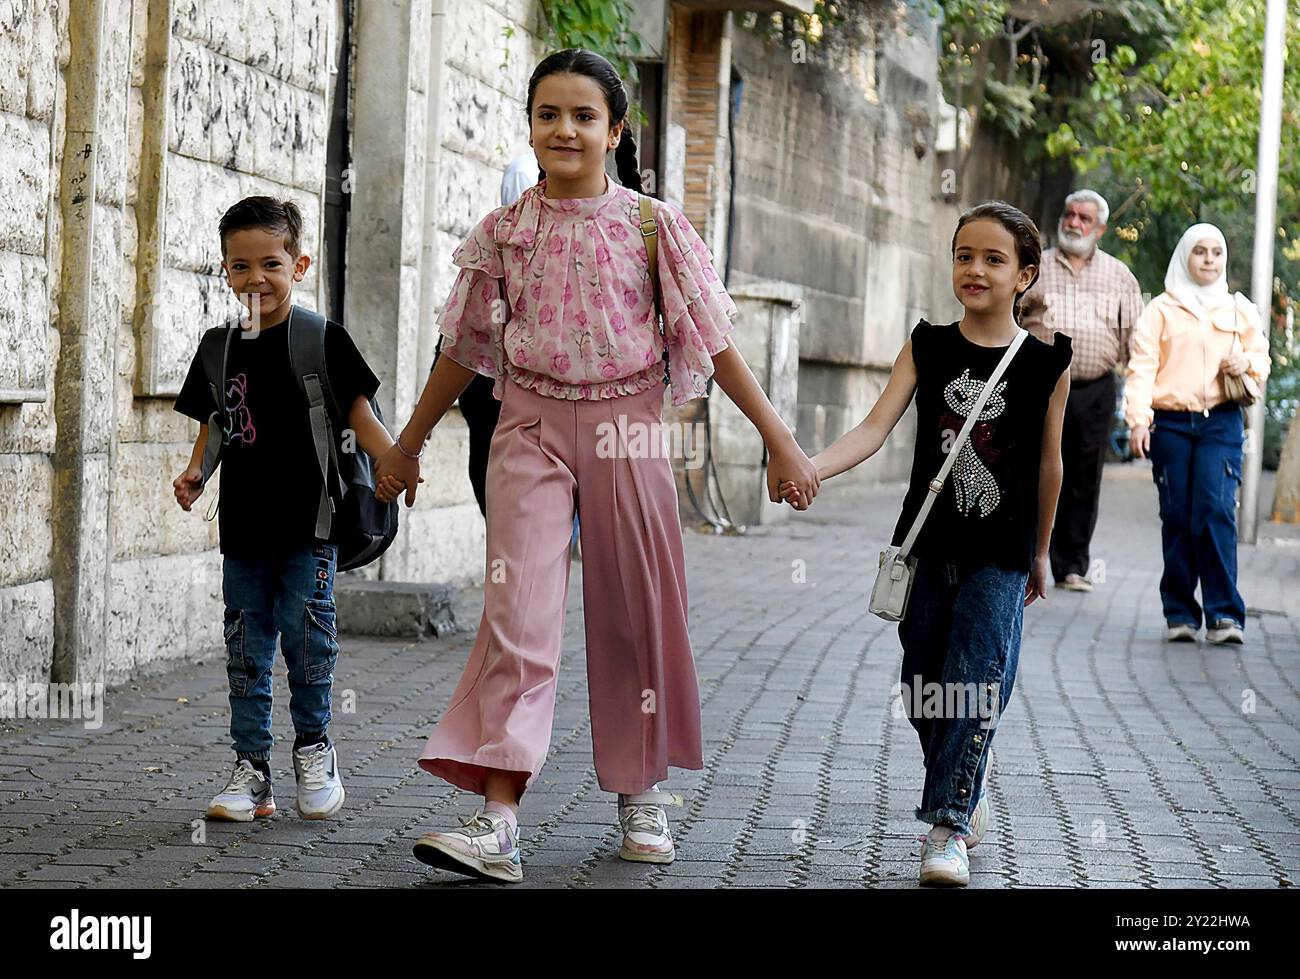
<point x="307" y="361"/>
<point x="972" y="416"/>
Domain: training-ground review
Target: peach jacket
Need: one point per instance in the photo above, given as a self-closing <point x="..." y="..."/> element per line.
<point x="1174" y="355"/>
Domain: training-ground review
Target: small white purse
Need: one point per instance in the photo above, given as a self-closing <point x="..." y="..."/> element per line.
<point x="897" y="565"/>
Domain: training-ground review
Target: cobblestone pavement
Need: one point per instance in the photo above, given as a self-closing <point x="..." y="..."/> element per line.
<point x="1122" y="761"/>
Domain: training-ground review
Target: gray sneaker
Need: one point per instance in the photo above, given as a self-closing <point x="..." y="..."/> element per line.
<point x="320" y="790"/>
<point x="247" y="796"/>
<point x="1180" y="632"/>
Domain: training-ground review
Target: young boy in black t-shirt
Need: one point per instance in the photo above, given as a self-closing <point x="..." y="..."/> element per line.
<point x="277" y="577"/>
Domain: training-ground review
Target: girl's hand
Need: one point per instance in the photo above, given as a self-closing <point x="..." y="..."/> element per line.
<point x="1235" y="363"/>
<point x="1139" y="441"/>
<point x="188" y="487"/>
<point x="788" y="463"/>
<point x="393" y="471"/>
<point x="1036" y="585"/>
<point x="789" y="493"/>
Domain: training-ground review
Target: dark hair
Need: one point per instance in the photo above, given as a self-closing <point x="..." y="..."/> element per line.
<point x="579" y="61"/>
<point x="1029" y="244"/>
<point x="268" y="214"/>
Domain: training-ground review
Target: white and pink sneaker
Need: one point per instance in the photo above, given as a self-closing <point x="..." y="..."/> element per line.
<point x="646" y="837"/>
<point x="486" y="846"/>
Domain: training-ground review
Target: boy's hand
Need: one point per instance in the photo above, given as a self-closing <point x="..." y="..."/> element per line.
<point x="395" y="471"/>
<point x="788" y="463"/>
<point x="188" y="487"/>
<point x="390" y="488"/>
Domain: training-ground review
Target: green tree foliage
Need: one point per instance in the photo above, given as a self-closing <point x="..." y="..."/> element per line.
<point x="603" y="26"/>
<point x="1175" y="136"/>
<point x="1017" y="65"/>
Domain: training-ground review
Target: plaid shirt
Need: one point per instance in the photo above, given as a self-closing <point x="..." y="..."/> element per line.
<point x="1096" y="307"/>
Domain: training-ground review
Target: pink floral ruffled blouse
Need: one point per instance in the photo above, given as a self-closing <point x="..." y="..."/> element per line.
<point x="581" y="323"/>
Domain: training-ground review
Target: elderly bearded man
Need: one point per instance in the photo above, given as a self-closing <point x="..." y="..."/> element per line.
<point x="1093" y="298"/>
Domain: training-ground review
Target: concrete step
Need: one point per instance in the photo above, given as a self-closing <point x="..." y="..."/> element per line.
<point x="403" y="609"/>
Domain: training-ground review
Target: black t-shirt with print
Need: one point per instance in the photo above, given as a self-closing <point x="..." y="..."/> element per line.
<point x="270" y="477"/>
<point x="987" y="512"/>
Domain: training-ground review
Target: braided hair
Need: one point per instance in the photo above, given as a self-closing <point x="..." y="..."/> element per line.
<point x="579" y="61"/>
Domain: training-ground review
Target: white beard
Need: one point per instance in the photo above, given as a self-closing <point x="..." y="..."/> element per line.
<point x="1080" y="246"/>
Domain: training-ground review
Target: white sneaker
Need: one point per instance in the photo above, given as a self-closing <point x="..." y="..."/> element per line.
<point x="320" y="790"/>
<point x="979" y="819"/>
<point x="1180" y="633"/>
<point x="1225" y="631"/>
<point x="486" y="847"/>
<point x="944" y="862"/>
<point x="247" y="796"/>
<point x="646" y="837"/>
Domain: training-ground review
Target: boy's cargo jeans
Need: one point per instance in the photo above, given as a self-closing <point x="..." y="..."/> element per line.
<point x="291" y="595"/>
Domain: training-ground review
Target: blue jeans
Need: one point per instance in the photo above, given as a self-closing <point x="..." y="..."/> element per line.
<point x="961" y="647"/>
<point x="291" y="596"/>
<point x="1196" y="464"/>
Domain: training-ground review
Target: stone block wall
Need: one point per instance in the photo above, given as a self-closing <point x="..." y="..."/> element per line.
<point x="32" y="56"/>
<point x="244" y="94"/>
<point x="186" y="106"/>
<point x="480" y="59"/>
<point x="836" y="191"/>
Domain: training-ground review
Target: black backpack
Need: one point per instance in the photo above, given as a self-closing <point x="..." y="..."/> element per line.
<point x="366" y="527"/>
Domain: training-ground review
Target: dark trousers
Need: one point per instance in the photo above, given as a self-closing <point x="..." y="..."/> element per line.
<point x="1196" y="463"/>
<point x="481" y="411"/>
<point x="1089" y="415"/>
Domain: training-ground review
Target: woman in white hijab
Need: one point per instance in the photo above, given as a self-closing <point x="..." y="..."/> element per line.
<point x="1180" y="410"/>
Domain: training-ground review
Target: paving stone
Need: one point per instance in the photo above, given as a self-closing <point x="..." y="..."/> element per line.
<point x="809" y="781"/>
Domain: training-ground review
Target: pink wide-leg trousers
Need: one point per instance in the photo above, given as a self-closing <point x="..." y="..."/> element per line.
<point x="549" y="456"/>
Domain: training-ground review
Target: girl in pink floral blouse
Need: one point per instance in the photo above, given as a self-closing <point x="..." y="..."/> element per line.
<point x="555" y="302"/>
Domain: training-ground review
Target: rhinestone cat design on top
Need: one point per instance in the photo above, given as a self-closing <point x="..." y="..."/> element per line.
<point x="973" y="484"/>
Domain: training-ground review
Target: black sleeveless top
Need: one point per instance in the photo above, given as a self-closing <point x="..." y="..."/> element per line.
<point x="987" y="512"/>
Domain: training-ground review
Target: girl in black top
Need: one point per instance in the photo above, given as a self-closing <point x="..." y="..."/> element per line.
<point x="982" y="553"/>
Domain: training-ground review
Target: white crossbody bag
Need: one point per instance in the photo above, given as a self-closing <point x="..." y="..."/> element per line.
<point x="897" y="565"/>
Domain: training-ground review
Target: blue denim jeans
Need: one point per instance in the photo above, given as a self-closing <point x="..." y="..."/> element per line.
<point x="291" y="596"/>
<point x="961" y="646"/>
<point x="1196" y="463"/>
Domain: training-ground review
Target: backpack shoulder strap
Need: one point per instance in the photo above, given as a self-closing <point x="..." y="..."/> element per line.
<point x="307" y="360"/>
<point x="650" y="234"/>
<point x="501" y="283"/>
<point x="307" y="352"/>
